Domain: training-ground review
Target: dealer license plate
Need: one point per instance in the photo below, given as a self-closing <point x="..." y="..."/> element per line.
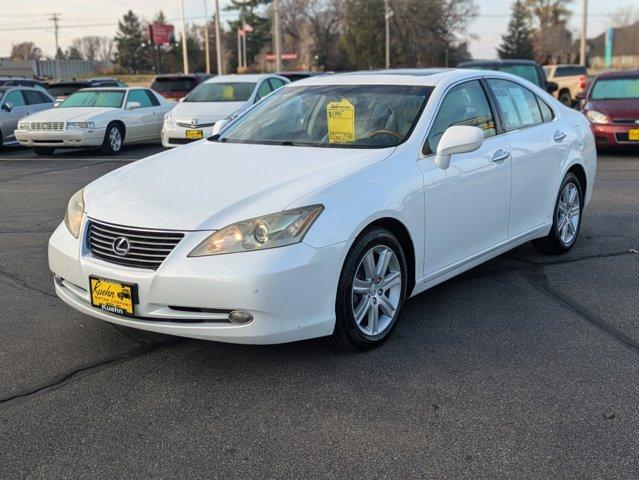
<point x="112" y="296"/>
<point x="633" y="134"/>
<point x="194" y="134"/>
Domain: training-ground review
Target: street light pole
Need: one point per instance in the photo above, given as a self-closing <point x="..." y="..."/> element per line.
<point x="185" y="55"/>
<point x="218" y="40"/>
<point x="278" y="37"/>
<point x="387" y="15"/>
<point x="207" y="55"/>
<point x="584" y="26"/>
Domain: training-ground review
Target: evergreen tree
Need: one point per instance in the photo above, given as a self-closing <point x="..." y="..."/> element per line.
<point x="261" y="36"/>
<point x="517" y="42"/>
<point x="364" y="35"/>
<point x="130" y="41"/>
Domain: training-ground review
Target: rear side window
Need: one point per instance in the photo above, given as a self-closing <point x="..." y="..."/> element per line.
<point x="15" y="98"/>
<point x="152" y="98"/>
<point x="517" y="105"/>
<point x="546" y="111"/>
<point x="34" y="98"/>
<point x="465" y="104"/>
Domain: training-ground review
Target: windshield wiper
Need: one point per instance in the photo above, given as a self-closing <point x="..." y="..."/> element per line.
<point x="287" y="143"/>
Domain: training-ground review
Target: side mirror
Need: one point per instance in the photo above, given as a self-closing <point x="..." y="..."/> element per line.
<point x="457" y="139"/>
<point x="7" y="106"/>
<point x="133" y="105"/>
<point x="552" y="87"/>
<point x="181" y="99"/>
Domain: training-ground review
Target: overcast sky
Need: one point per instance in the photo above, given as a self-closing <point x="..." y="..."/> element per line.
<point x="28" y="20"/>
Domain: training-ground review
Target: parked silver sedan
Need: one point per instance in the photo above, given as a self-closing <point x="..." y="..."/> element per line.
<point x="17" y="102"/>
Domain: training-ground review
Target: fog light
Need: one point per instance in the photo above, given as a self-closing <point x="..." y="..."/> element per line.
<point x="240" y="317"/>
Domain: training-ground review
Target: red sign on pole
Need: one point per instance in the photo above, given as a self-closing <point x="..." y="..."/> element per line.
<point x="285" y="56"/>
<point x="161" y="33"/>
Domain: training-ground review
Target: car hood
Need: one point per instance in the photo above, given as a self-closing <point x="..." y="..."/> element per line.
<point x="626" y="108"/>
<point x="205" y="112"/>
<point x="208" y="185"/>
<point x="69" y="114"/>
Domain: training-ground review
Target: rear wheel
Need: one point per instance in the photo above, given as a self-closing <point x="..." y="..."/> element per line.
<point x="371" y="291"/>
<point x="113" y="139"/>
<point x="44" y="151"/>
<point x="566" y="219"/>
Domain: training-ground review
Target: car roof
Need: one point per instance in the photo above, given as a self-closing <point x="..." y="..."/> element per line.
<point x="241" y="78"/>
<point x="497" y="62"/>
<point x="623" y="74"/>
<point x="111" y="89"/>
<point x="70" y="82"/>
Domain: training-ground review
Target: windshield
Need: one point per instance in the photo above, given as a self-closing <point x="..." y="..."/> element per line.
<point x="345" y="116"/>
<point x="173" y="84"/>
<point x="94" y="98"/>
<point x="529" y="72"/>
<point x="221" y="92"/>
<point x="615" y="89"/>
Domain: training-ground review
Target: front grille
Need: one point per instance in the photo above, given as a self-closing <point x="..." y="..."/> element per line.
<point x="623" y="137"/>
<point x="47" y="126"/>
<point x="624" y="121"/>
<point x="198" y="125"/>
<point x="147" y="248"/>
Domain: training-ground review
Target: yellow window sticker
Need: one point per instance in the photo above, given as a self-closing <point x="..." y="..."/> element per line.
<point x="341" y="121"/>
<point x="227" y="92"/>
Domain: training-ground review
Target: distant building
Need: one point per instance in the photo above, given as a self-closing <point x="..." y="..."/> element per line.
<point x="625" y="48"/>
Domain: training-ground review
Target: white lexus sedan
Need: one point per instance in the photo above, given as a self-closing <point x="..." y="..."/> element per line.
<point x="320" y="210"/>
<point x="106" y="118"/>
<point x="213" y="104"/>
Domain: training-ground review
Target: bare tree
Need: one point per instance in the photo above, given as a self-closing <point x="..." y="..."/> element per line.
<point x="94" y="48"/>
<point x="25" y="51"/>
<point x="623" y="17"/>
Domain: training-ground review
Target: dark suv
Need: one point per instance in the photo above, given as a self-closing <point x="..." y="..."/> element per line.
<point x="527" y="69"/>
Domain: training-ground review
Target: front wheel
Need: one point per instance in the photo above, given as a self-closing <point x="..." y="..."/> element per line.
<point x="371" y="291"/>
<point x="566" y="220"/>
<point x="113" y="140"/>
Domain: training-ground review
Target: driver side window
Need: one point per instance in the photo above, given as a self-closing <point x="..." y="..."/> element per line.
<point x="15" y="98"/>
<point x="465" y="104"/>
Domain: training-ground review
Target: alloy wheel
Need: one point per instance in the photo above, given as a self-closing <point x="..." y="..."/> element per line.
<point x="115" y="139"/>
<point x="377" y="289"/>
<point x="568" y="213"/>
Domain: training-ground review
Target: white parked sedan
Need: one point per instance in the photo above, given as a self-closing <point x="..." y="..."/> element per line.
<point x="320" y="210"/>
<point x="213" y="104"/>
<point x="107" y="117"/>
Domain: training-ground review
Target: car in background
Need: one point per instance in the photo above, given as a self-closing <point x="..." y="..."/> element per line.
<point x="103" y="117"/>
<point x="177" y="86"/>
<point x="571" y="82"/>
<point x="23" y="82"/>
<point x="61" y="90"/>
<point x="15" y="103"/>
<point x="612" y="106"/>
<point x="294" y="76"/>
<point x="527" y="69"/>
<point x="213" y="104"/>
<point x="325" y="206"/>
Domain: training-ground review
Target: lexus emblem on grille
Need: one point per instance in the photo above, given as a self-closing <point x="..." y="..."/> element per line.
<point x="194" y="121"/>
<point x="121" y="246"/>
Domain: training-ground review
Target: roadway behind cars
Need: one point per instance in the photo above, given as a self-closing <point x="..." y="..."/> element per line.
<point x="524" y="367"/>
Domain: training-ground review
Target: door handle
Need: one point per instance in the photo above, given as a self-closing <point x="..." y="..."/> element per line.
<point x="559" y="136"/>
<point x="500" y="156"/>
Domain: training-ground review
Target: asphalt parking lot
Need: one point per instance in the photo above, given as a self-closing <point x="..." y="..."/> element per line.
<point x="525" y="367"/>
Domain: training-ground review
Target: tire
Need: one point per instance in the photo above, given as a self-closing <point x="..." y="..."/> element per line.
<point x="113" y="139"/>
<point x="43" y="151"/>
<point x="565" y="98"/>
<point x="362" y="332"/>
<point x="568" y="217"/>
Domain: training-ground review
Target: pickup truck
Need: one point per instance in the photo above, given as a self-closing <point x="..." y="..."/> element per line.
<point x="571" y="81"/>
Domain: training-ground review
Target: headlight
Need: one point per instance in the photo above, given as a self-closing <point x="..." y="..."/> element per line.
<point x="23" y="126"/>
<point x="73" y="215"/>
<point x="270" y="231"/>
<point x="79" y="125"/>
<point x="168" y="117"/>
<point x="597" y="117"/>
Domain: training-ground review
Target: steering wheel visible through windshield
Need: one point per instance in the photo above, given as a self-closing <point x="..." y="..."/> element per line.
<point x="345" y="116"/>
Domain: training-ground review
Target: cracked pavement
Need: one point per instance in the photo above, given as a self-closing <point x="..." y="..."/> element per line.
<point x="524" y="367"/>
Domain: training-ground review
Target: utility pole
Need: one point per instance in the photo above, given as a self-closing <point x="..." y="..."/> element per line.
<point x="207" y="54"/>
<point x="278" y="37"/>
<point x="55" y="17"/>
<point x="388" y="13"/>
<point x="584" y="26"/>
<point x="218" y="40"/>
<point x="185" y="55"/>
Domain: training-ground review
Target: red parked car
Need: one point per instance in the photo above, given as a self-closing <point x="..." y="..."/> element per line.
<point x="176" y="86"/>
<point x="612" y="106"/>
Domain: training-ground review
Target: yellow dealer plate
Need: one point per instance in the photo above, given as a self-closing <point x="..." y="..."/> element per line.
<point x="194" y="134"/>
<point x="111" y="296"/>
<point x="633" y="134"/>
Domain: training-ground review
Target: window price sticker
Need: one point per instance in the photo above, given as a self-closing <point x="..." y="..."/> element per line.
<point x="341" y="121"/>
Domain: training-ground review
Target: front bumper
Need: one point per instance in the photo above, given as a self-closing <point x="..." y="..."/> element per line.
<point x="613" y="135"/>
<point x="61" y="138"/>
<point x="289" y="291"/>
<point x="175" y="135"/>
